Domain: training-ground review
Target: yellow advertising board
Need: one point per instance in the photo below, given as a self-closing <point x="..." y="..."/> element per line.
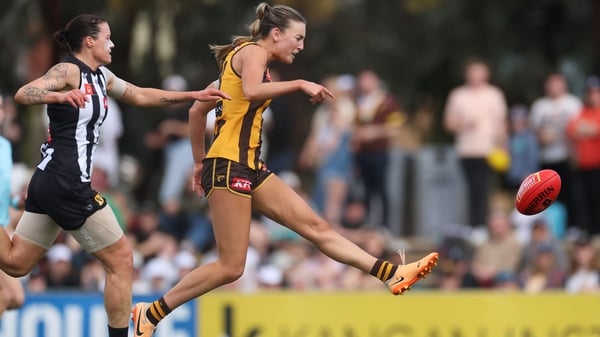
<point x="426" y="314"/>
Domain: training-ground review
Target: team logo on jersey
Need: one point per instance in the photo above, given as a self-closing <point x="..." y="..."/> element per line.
<point x="241" y="184"/>
<point x="89" y="89"/>
<point x="99" y="200"/>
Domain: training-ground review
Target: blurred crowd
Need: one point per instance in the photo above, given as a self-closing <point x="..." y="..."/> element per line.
<point x="346" y="170"/>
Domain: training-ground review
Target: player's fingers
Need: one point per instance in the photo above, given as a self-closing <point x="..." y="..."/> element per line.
<point x="216" y="97"/>
<point x="222" y="94"/>
<point x="328" y="93"/>
<point x="217" y="94"/>
<point x="72" y="101"/>
<point x="78" y="98"/>
<point x="81" y="101"/>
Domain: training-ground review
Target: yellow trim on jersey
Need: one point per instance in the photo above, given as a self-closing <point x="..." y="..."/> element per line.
<point x="238" y="125"/>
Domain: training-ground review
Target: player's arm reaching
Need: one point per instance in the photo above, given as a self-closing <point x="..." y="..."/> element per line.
<point x="58" y="85"/>
<point x="252" y="61"/>
<point x="197" y="126"/>
<point x="151" y="97"/>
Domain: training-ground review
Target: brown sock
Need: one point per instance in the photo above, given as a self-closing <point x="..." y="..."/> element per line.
<point x="383" y="270"/>
<point x="157" y="311"/>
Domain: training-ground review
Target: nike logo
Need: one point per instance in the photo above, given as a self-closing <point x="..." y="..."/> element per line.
<point x="137" y="326"/>
<point x="220" y="178"/>
<point x="397" y="281"/>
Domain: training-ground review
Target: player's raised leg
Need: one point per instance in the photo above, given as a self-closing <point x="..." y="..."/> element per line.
<point x="279" y="202"/>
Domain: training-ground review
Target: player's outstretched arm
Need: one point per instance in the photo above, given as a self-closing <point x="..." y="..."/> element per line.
<point x="253" y="64"/>
<point x="151" y="97"/>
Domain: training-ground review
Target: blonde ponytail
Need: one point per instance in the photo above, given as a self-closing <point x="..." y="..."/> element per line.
<point x="267" y="18"/>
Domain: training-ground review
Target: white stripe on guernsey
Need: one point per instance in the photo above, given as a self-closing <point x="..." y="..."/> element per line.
<point x="85" y="114"/>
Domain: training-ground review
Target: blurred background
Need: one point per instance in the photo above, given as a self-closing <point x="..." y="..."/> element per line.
<point x="408" y="156"/>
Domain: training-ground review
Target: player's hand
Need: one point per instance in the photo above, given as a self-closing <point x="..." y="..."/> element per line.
<point x="316" y="92"/>
<point x="75" y="98"/>
<point x="210" y="95"/>
<point x="197" y="180"/>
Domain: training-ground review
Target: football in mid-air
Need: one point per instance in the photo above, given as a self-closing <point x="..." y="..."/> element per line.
<point x="538" y="191"/>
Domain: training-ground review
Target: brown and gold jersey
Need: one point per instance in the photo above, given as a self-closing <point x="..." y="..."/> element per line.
<point x="239" y="121"/>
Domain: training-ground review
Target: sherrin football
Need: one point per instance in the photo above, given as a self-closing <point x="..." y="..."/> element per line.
<point x="538" y="191"/>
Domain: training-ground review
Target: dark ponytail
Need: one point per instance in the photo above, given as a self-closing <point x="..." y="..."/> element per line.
<point x="267" y="18"/>
<point x="71" y="37"/>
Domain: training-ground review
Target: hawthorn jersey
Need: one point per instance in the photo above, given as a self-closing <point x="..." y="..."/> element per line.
<point x="73" y="132"/>
<point x="239" y="121"/>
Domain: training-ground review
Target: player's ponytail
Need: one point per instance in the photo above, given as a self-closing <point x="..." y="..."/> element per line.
<point x="267" y="18"/>
<point x="71" y="37"/>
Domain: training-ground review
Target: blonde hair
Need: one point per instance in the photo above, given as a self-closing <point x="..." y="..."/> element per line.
<point x="267" y="18"/>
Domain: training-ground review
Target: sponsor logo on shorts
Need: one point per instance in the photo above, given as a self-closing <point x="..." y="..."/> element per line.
<point x="241" y="184"/>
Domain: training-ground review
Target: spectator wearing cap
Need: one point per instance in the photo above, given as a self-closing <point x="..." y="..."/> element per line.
<point x="585" y="267"/>
<point x="60" y="271"/>
<point x="161" y="273"/>
<point x="185" y="262"/>
<point x="270" y="277"/>
<point x="584" y="133"/>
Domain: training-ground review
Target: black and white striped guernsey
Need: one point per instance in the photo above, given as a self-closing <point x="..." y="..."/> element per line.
<point x="73" y="132"/>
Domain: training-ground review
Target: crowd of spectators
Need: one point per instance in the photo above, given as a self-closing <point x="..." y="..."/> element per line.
<point x="346" y="154"/>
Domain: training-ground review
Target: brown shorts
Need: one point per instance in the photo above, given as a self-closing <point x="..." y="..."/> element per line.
<point x="220" y="173"/>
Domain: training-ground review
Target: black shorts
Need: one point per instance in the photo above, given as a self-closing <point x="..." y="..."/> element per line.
<point x="220" y="173"/>
<point x="68" y="202"/>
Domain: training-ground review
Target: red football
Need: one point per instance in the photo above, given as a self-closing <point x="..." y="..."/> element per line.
<point x="537" y="192"/>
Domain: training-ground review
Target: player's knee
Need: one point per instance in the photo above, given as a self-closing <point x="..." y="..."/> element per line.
<point x="232" y="273"/>
<point x="119" y="261"/>
<point x="16" y="270"/>
<point x="318" y="226"/>
<point x="125" y="259"/>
